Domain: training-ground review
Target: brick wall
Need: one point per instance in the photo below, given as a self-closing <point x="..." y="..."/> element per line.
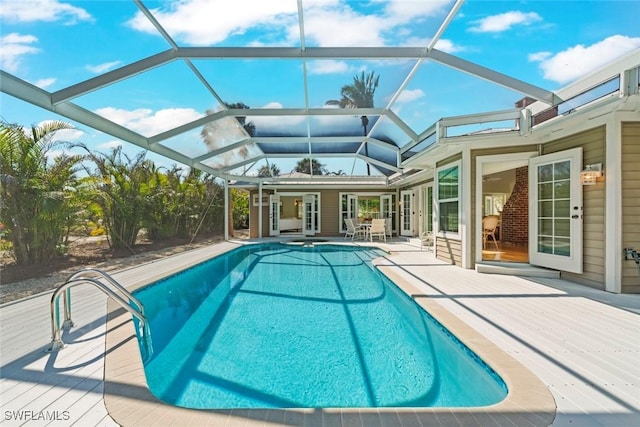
<point x="515" y="214"/>
<point x="542" y="116"/>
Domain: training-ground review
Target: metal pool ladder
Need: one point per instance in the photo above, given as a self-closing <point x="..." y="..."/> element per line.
<point x="111" y="288"/>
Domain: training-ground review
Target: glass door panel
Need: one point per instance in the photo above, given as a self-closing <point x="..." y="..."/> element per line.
<point x="274" y="215"/>
<point x="555" y="235"/>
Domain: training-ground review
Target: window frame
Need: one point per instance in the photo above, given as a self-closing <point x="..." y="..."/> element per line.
<point x="438" y="202"/>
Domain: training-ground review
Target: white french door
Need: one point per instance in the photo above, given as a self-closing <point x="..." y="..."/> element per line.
<point x="274" y="215"/>
<point x="406" y="213"/>
<point x="555" y="211"/>
<point x="425" y="217"/>
<point x="309" y="214"/>
<point x="386" y="209"/>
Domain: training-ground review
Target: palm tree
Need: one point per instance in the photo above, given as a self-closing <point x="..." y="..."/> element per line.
<point x="250" y="127"/>
<point x="268" y="170"/>
<point x="359" y="94"/>
<point x="310" y="166"/>
<point x="122" y="187"/>
<point x="37" y="192"/>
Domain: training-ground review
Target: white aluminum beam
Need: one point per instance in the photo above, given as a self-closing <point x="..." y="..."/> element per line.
<point x="424" y="135"/>
<point x="470" y="119"/>
<point x="27" y="92"/>
<point x="256" y="52"/>
<point x="452" y="14"/>
<point x="222" y="150"/>
<point x="401" y="124"/>
<point x="378" y="162"/>
<point x="382" y="144"/>
<point x="493" y="76"/>
<point x="242" y="163"/>
<point x="252" y="112"/>
<point x="113" y="76"/>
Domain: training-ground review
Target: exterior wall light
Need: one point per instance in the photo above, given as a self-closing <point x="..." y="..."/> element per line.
<point x="590" y="174"/>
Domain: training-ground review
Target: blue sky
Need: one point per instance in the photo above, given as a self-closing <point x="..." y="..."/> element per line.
<point x="54" y="44"/>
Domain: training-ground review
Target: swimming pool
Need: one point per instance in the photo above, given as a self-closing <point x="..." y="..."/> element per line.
<point x="274" y="326"/>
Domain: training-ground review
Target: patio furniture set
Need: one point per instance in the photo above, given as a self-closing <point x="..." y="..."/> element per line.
<point x="367" y="231"/>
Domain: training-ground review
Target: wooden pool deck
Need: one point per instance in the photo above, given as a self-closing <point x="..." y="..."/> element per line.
<point x="579" y="348"/>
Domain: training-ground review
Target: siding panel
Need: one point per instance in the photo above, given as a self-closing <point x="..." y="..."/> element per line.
<point x="593" y="143"/>
<point x="449" y="250"/>
<point x="630" y="203"/>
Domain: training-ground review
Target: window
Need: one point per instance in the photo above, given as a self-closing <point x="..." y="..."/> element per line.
<point x="365" y="206"/>
<point x="265" y="199"/>
<point x="368" y="208"/>
<point x="447" y="193"/>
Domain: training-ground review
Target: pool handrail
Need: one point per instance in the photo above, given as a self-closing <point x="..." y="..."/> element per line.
<point x="111" y="280"/>
<point x="73" y="280"/>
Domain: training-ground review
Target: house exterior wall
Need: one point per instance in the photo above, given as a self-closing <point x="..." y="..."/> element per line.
<point x="449" y="250"/>
<point x="330" y="212"/>
<point x="630" y="203"/>
<point x="329" y="209"/>
<point x="593" y="143"/>
<point x="253" y="215"/>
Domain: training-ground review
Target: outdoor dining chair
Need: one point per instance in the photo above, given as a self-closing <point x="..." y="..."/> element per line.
<point x="377" y="229"/>
<point x="353" y="230"/>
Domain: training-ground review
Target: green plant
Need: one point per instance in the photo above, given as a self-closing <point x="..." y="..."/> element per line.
<point x="37" y="192"/>
<point x="121" y="188"/>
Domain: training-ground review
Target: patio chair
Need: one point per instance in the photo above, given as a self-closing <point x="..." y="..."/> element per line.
<point x="377" y="229"/>
<point x="352" y="229"/>
<point x="489" y="225"/>
<point x="426" y="239"/>
<point x="388" y="226"/>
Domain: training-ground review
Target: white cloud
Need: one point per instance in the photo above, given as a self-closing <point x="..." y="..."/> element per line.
<point x="404" y="11"/>
<point x="326" y="22"/>
<point x="327" y="67"/>
<point x="148" y="122"/>
<point x="65" y="135"/>
<point x="101" y="68"/>
<point x="109" y="145"/>
<point x="579" y="60"/>
<point x="273" y="104"/>
<point x="538" y="56"/>
<point x="343" y="28"/>
<point x="448" y="46"/>
<point x="69" y="135"/>
<point x="14" y="47"/>
<point x="201" y="21"/>
<point x="410" y="95"/>
<point x="504" y="21"/>
<point x="45" y="83"/>
<point x="42" y="10"/>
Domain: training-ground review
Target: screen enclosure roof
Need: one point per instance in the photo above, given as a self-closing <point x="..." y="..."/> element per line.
<point x="254" y="86"/>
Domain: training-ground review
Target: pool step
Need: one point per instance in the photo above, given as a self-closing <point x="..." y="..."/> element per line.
<point x="516" y="269"/>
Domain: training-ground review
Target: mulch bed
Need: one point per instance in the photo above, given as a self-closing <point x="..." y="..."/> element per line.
<point x="82" y="252"/>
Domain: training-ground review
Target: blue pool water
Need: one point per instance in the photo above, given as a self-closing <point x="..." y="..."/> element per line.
<point x="290" y="326"/>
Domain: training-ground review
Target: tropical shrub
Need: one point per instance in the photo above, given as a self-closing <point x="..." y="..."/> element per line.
<point x="121" y="189"/>
<point x="37" y="191"/>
